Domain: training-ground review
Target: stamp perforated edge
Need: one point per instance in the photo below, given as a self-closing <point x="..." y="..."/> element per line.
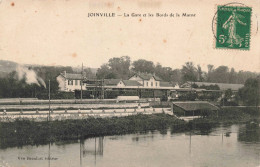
<point x="214" y="28"/>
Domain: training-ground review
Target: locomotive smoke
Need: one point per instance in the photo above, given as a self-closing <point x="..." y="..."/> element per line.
<point x="30" y="76"/>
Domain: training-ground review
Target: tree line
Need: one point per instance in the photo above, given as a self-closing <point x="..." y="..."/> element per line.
<point x="11" y="86"/>
<point x="123" y="68"/>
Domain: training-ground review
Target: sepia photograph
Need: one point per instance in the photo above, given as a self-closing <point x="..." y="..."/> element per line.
<point x="141" y="83"/>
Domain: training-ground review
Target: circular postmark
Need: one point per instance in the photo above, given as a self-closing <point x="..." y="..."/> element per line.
<point x="231" y="26"/>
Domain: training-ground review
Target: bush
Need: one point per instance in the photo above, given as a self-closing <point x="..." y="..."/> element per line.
<point x="28" y="132"/>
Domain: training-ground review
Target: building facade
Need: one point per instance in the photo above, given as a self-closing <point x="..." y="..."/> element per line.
<point x="69" y="82"/>
<point x="142" y="85"/>
<point x="146" y="80"/>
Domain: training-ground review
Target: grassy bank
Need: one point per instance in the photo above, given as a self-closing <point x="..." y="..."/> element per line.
<point x="225" y="116"/>
<point x="22" y="132"/>
<point x="232" y="115"/>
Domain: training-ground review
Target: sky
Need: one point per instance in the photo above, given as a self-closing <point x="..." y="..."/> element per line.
<point x="59" y="32"/>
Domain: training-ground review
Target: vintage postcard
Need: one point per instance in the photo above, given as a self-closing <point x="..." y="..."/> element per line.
<point x="140" y="83"/>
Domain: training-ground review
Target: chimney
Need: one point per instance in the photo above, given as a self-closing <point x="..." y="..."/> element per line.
<point x="65" y="73"/>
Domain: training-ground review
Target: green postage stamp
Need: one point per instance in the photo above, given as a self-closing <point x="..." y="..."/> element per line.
<point x="233" y="27"/>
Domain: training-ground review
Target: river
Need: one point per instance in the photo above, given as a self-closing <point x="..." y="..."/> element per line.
<point x="224" y="146"/>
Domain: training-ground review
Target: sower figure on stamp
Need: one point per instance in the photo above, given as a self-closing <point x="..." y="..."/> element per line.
<point x="234" y="38"/>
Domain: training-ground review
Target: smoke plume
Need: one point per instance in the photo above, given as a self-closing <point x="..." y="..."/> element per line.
<point x="30" y="76"/>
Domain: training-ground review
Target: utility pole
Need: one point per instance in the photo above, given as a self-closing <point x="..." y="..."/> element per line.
<point x="81" y="83"/>
<point x="190" y="89"/>
<point x="223" y="97"/>
<point x="49" y="100"/>
<point x="102" y="89"/>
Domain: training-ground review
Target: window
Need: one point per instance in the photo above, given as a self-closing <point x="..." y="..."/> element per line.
<point x="156" y="84"/>
<point x="70" y="82"/>
<point x="151" y="83"/>
<point x="76" y="82"/>
<point x="146" y="83"/>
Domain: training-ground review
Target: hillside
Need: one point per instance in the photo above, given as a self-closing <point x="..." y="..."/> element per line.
<point x="7" y="66"/>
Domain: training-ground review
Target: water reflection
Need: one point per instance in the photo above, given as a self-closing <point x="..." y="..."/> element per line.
<point x="49" y="155"/>
<point x="236" y="145"/>
<point x="163" y="132"/>
<point x="249" y="133"/>
<point x="92" y="146"/>
<point x="143" y="137"/>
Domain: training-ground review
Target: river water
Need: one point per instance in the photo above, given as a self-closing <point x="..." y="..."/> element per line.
<point x="224" y="146"/>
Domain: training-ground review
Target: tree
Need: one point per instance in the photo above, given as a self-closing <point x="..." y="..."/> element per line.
<point x="12" y="86"/>
<point x="163" y="72"/>
<point x="210" y="68"/>
<point x="220" y="75"/>
<point x="21" y="83"/>
<point x="143" y="66"/>
<point x="200" y="73"/>
<point x="50" y="72"/>
<point x="175" y="76"/>
<point x="228" y="94"/>
<point x="242" y="76"/>
<point x="115" y="68"/>
<point x="232" y="76"/>
<point x="89" y="74"/>
<point x="249" y="94"/>
<point x="104" y="72"/>
<point x="210" y="71"/>
<point x="189" y="72"/>
<point x="120" y="66"/>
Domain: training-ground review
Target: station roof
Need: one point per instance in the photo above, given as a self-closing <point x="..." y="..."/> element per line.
<point x="111" y="82"/>
<point x="195" y="105"/>
<point x="166" y="84"/>
<point x="147" y="76"/>
<point x="72" y="76"/>
<point x="222" y="86"/>
<point x="131" y="83"/>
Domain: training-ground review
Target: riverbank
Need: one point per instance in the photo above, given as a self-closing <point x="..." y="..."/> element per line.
<point x="234" y="115"/>
<point x="24" y="132"/>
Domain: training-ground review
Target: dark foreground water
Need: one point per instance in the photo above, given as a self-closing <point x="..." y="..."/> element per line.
<point x="225" y="146"/>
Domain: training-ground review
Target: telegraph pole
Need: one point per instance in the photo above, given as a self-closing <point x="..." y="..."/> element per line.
<point x="81" y="83"/>
<point x="49" y="100"/>
<point x="102" y="89"/>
